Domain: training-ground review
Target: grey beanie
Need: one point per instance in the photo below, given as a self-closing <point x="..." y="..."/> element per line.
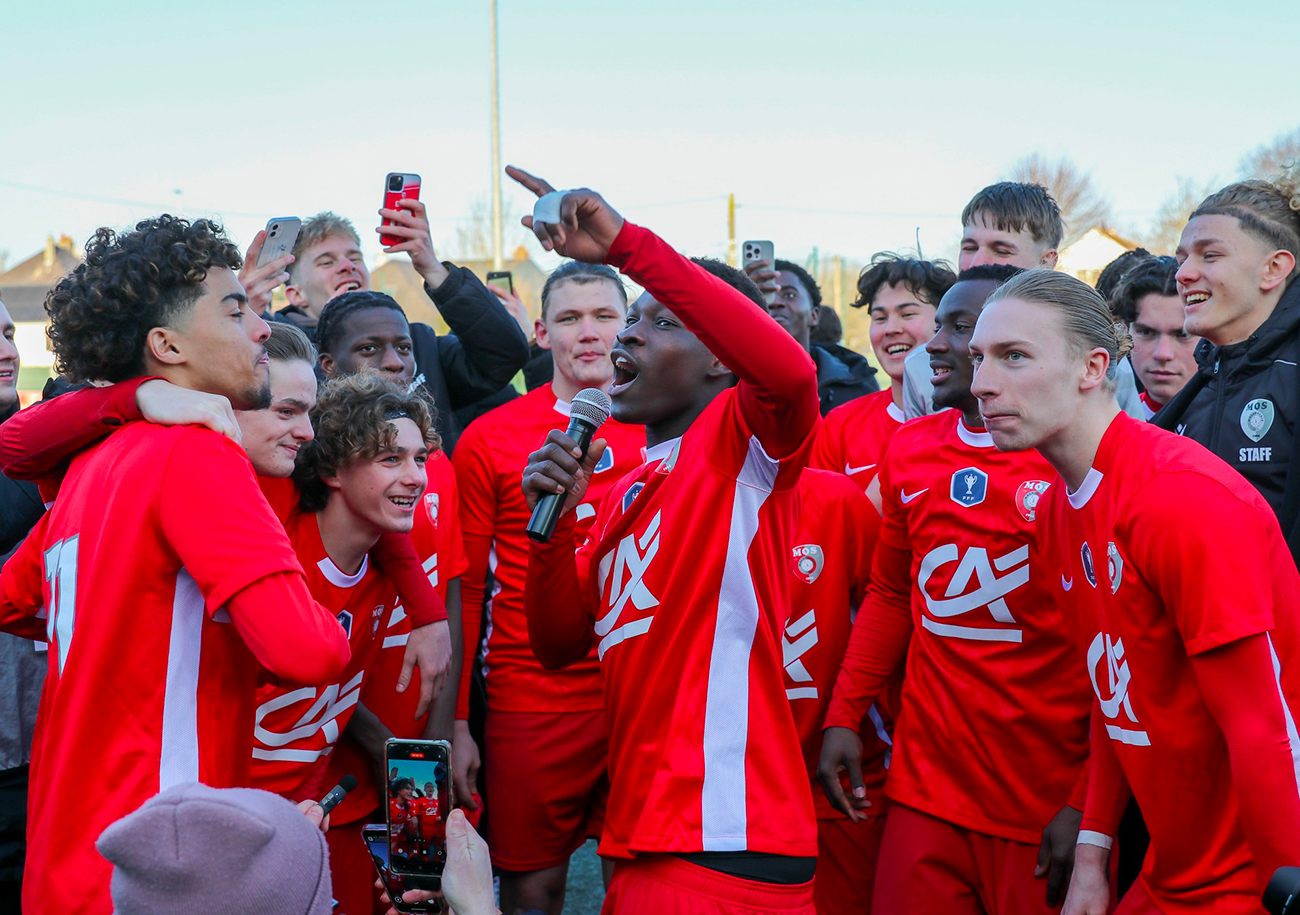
<point x="195" y="850"/>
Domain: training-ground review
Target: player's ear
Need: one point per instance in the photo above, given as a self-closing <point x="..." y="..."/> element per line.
<point x="540" y="335"/>
<point x="1095" y="366"/>
<point x="163" y="345"/>
<point x="326" y="364"/>
<point x="717" y="369"/>
<point x="332" y="482"/>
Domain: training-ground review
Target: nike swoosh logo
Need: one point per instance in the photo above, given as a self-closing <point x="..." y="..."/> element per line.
<point x="906" y="497"/>
<point x="1067" y="583"/>
<point x="850" y="471"/>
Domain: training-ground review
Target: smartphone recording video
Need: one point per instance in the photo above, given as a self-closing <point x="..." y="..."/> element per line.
<point x="376" y="836"/>
<point x="419" y="797"/>
<point x="502" y="279"/>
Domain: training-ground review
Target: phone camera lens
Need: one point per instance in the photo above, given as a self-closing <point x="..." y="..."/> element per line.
<point x="395" y="183"/>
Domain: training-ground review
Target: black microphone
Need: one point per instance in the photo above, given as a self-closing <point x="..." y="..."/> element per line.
<point x="338" y="792"/>
<point x="1282" y="895"/>
<point x="590" y="409"/>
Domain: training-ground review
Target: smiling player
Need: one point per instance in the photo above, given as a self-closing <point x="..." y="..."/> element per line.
<point x="1190" y="631"/>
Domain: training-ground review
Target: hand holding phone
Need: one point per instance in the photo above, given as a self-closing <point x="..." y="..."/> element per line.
<point x="503" y="279"/>
<point x="398" y="186"/>
<point x="758" y="258"/>
<point x="376" y="838"/>
<point x="267" y="262"/>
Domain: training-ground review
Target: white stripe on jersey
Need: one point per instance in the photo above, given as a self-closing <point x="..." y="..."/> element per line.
<point x="726" y="710"/>
<point x="1291" y="736"/>
<point x="179" y="760"/>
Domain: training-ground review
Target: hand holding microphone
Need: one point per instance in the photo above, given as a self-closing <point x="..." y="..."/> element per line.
<point x="558" y="473"/>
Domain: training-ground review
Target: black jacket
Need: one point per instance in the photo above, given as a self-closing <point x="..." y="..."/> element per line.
<point x="20" y="505"/>
<point x="842" y="375"/>
<point x="479" y="357"/>
<point x="1243" y="404"/>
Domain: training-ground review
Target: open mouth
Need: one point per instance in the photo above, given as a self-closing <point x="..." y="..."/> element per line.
<point x="939" y="372"/>
<point x="898" y="349"/>
<point x="349" y="286"/>
<point x="6" y="376"/>
<point x="625" y="372"/>
<point x="1192" y="299"/>
<point x="406" y="503"/>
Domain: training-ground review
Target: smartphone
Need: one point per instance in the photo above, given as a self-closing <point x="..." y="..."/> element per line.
<point x="502" y="278"/>
<point x="398" y="186"/>
<point x="376" y="836"/>
<point x="419" y="798"/>
<point x="281" y="234"/>
<point x="752" y="251"/>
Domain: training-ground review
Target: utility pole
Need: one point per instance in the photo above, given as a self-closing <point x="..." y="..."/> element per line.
<point x="731" y="229"/>
<point x="497" y="260"/>
<point x="837" y="286"/>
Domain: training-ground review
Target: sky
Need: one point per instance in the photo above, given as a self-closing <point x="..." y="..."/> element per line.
<point x="847" y="127"/>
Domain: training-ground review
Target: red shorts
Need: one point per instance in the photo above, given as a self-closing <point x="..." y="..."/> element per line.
<point x="656" y="884"/>
<point x="352" y="871"/>
<point x="846" y="865"/>
<point x="547" y="782"/>
<point x="930" y="867"/>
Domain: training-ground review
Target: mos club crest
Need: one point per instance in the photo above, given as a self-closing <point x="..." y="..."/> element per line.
<point x="808" y="562"/>
<point x="431" y="506"/>
<point x="1028" y="496"/>
<point x="1257" y="419"/>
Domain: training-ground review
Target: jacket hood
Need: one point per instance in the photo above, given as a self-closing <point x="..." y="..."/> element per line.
<point x="838" y="365"/>
<point x="1262" y="347"/>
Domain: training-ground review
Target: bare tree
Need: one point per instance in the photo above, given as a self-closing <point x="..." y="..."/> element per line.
<point x="1272" y="159"/>
<point x="1166" y="227"/>
<point x="1082" y="205"/>
<point x="474" y="232"/>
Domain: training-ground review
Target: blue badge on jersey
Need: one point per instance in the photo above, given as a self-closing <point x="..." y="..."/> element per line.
<point x="606" y="460"/>
<point x="969" y="486"/>
<point x="345" y="620"/>
<point x="1089" y="570"/>
<point x="630" y="496"/>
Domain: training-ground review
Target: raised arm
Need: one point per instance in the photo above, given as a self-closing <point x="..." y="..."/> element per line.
<point x="778" y="382"/>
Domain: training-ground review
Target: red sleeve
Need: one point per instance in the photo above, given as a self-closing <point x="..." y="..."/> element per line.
<point x="1240" y="688"/>
<point x="281" y="494"/>
<point x="396" y="555"/>
<point x="878" y="641"/>
<point x="864" y="524"/>
<point x="560" y="617"/>
<point x="41" y="440"/>
<point x="826" y="446"/>
<point x="1184" y="558"/>
<point x="22" y="594"/>
<point x="1108" y="792"/>
<point x="279" y="604"/>
<point x="476" y="481"/>
<point x="778" y="381"/>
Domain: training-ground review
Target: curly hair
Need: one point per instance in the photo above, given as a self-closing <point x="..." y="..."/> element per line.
<point x="102" y="312"/>
<point x="805" y="279"/>
<point x="352" y="420"/>
<point x="734" y="278"/>
<point x="1149" y="275"/>
<point x="928" y="280"/>
<point x="1266" y="210"/>
<point x="1014" y="206"/>
<point x="329" y="329"/>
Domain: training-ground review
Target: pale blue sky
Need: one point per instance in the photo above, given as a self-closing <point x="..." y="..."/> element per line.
<point x="844" y="125"/>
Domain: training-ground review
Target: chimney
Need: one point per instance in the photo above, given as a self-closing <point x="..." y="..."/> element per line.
<point x="49" y="251"/>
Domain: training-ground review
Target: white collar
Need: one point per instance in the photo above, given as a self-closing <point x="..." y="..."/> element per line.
<point x="337" y="577"/>
<point x="661" y="450"/>
<point x="1079" y="498"/>
<point x="971" y="437"/>
<point x="896" y="414"/>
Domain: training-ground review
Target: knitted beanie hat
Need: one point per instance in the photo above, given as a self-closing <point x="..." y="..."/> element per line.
<point x="195" y="850"/>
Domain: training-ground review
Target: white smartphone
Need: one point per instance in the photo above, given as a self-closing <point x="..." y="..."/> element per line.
<point x="753" y="250"/>
<point x="281" y="234"/>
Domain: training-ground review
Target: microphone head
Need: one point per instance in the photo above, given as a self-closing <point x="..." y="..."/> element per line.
<point x="1281" y="890"/>
<point x="592" y="405"/>
<point x="348" y="782"/>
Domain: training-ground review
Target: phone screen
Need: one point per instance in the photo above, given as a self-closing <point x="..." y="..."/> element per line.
<point x="419" y="797"/>
<point x="376" y="836"/>
<point x="502" y="279"/>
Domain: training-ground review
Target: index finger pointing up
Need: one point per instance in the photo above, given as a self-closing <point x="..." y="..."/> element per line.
<point x="538" y="186"/>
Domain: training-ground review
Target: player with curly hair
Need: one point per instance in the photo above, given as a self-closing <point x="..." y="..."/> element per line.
<point x="170" y="584"/>
<point x="1237" y="271"/>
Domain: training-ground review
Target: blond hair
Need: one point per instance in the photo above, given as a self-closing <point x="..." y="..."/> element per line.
<point x="1267" y="210"/>
<point x="316" y="230"/>
<point x="1085" y="316"/>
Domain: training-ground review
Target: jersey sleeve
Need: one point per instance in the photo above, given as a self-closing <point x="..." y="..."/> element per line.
<point x="1108" y="792"/>
<point x="864" y="531"/>
<point x="778" y="381"/>
<point x="289" y="633"/>
<point x="561" y="615"/>
<point x="1205" y="551"/>
<point x="40" y="441"/>
<point x="476" y="483"/>
<point x="22" y="586"/>
<point x="827" y="447"/>
<point x="281" y="494"/>
<point x="893" y="520"/>
<point x="396" y="555"/>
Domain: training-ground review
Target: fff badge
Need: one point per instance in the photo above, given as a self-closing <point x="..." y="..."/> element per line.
<point x="969" y="487"/>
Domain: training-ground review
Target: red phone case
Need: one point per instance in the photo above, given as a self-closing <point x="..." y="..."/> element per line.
<point x="410" y="191"/>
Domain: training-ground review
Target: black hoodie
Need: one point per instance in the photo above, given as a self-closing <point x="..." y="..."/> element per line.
<point x="1244" y="403"/>
<point x="842" y="375"/>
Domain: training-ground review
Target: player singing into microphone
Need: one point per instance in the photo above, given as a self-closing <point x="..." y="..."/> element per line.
<point x="681" y="583"/>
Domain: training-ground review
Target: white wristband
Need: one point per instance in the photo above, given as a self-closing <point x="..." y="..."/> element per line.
<point x="547" y="208"/>
<point x="1091" y="837"/>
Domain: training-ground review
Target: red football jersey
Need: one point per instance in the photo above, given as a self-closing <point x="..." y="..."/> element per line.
<point x="401" y="819"/>
<point x="852" y="438"/>
<point x="993" y="730"/>
<point x="830" y="567"/>
<point x="149" y="685"/>
<point x="296" y="728"/>
<point x="1146" y="587"/>
<point x="431" y="826"/>
<point x="701" y="738"/>
<point x="490" y="458"/>
<point x="436" y="537"/>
